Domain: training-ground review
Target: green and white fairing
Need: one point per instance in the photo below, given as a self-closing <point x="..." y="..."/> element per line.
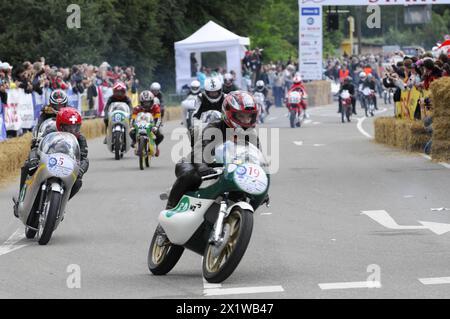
<point x="243" y="173"/>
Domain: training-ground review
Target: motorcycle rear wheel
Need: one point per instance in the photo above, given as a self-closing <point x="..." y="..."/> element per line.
<point x="117" y="145"/>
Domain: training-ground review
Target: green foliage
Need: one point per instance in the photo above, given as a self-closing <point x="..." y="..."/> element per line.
<point x="143" y="32"/>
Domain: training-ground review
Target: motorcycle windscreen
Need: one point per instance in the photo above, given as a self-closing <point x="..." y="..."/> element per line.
<point x="117" y="106"/>
<point x="232" y="153"/>
<point x="49" y="126"/>
<point x="61" y="143"/>
<point x="144" y="117"/>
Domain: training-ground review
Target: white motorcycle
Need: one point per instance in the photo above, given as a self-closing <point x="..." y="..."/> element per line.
<point x="261" y="103"/>
<point x="118" y="138"/>
<point x="43" y="199"/>
<point x="189" y="106"/>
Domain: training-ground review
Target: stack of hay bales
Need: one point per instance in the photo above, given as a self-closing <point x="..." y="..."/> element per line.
<point x="440" y="95"/>
<point x="13" y="154"/>
<point x="405" y="134"/>
<point x="319" y="93"/>
<point x="93" y="128"/>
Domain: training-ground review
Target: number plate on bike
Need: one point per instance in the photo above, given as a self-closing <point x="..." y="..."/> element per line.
<point x="251" y="179"/>
<point x="60" y="165"/>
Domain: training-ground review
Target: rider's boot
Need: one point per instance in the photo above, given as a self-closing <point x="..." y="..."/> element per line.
<point x="157" y="151"/>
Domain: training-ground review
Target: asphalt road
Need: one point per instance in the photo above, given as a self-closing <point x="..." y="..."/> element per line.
<point x="313" y="234"/>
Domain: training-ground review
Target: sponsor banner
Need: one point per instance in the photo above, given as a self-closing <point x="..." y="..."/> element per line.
<point x="311" y="42"/>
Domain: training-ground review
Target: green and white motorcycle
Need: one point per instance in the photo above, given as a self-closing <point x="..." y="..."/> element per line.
<point x="145" y="138"/>
<point x="117" y="137"/>
<point x="217" y="220"/>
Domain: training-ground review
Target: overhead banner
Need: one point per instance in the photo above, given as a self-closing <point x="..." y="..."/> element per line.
<point x="370" y="2"/>
<point x="311" y="29"/>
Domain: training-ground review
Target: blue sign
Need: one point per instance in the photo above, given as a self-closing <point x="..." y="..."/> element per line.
<point x="2" y="124"/>
<point x="310" y="11"/>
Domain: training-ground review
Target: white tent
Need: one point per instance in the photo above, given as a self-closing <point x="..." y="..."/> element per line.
<point x="210" y="38"/>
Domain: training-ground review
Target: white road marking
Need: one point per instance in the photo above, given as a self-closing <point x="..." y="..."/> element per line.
<point x="428" y="157"/>
<point x="437" y="228"/>
<point x="242" y="291"/>
<point x="350" y="285"/>
<point x="266" y="214"/>
<point x="361" y="129"/>
<point x="298" y="143"/>
<point x="408" y="196"/>
<point x="12" y="244"/>
<point x="439" y="209"/>
<point x="316" y="123"/>
<point x="383" y="218"/>
<point x="272" y="118"/>
<point x="319" y="145"/>
<point x="307" y="121"/>
<point x="361" y="121"/>
<point x="445" y="165"/>
<point x="435" y="281"/>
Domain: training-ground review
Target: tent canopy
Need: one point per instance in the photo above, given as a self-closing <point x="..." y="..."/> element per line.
<point x="209" y="38"/>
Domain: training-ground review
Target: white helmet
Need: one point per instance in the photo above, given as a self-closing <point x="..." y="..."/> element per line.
<point x="155" y="87"/>
<point x="260" y="85"/>
<point x="298" y="79"/>
<point x="213" y="89"/>
<point x="195" y="87"/>
<point x="228" y="79"/>
<point x="363" y="75"/>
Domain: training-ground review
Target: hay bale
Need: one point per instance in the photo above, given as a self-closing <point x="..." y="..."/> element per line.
<point x="441" y="128"/>
<point x="441" y="151"/>
<point x="13" y="154"/>
<point x="440" y="95"/>
<point x="173" y="113"/>
<point x="93" y="128"/>
<point x="380" y="130"/>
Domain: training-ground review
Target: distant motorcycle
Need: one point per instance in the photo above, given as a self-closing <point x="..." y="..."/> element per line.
<point x="199" y="125"/>
<point x="43" y="199"/>
<point x="145" y="138"/>
<point x="369" y="97"/>
<point x="346" y="102"/>
<point x="294" y="105"/>
<point x="261" y="102"/>
<point x="189" y="107"/>
<point x="117" y="137"/>
<point x="216" y="221"/>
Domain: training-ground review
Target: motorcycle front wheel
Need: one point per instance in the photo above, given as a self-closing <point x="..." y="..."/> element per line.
<point x="48" y="217"/>
<point x="162" y="258"/>
<point x="218" y="267"/>
<point x="142" y="152"/>
<point x="292" y="118"/>
<point x="117" y="137"/>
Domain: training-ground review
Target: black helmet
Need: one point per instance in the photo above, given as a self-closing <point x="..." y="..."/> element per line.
<point x="58" y="99"/>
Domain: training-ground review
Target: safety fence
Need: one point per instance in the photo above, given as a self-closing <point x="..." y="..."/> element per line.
<point x="22" y="110"/>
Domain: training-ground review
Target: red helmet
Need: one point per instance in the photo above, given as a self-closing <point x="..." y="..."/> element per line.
<point x="119" y="89"/>
<point x="240" y="110"/>
<point x="69" y="120"/>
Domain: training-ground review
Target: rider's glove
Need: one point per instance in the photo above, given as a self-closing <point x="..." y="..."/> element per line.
<point x="33" y="163"/>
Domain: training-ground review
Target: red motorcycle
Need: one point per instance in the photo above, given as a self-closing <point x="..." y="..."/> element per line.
<point x="346" y="102"/>
<point x="295" y="106"/>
